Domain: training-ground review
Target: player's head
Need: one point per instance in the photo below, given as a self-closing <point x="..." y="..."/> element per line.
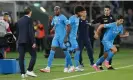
<point x="79" y="10"/>
<point x="28" y="11"/>
<point x="120" y="19"/>
<point x="83" y="17"/>
<point x="6" y="16"/>
<point x="57" y="10"/>
<point x="107" y="10"/>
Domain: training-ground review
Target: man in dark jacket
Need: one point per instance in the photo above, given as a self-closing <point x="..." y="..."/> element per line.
<point x="26" y="41"/>
<point x="84" y="39"/>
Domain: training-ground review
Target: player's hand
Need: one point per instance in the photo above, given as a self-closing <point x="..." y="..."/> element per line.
<point x="34" y="45"/>
<point x="96" y="36"/>
<point x="126" y="33"/>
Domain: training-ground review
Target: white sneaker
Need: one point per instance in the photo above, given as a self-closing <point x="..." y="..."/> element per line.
<point x="71" y="69"/>
<point x="23" y="76"/>
<point x="79" y="69"/>
<point x="65" y="70"/>
<point x="31" y="73"/>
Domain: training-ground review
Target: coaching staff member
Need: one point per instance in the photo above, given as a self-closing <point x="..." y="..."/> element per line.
<point x="84" y="40"/>
<point x="26" y="42"/>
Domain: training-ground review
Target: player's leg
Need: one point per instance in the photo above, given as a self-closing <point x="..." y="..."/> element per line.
<point x="111" y="53"/>
<point x="51" y="56"/>
<point x="75" y="47"/>
<point x="68" y="61"/>
<point x="102" y="58"/>
<point x="101" y="54"/>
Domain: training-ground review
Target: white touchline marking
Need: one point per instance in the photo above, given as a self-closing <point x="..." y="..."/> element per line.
<point x="52" y="64"/>
<point x="64" y="64"/>
<point x="90" y="73"/>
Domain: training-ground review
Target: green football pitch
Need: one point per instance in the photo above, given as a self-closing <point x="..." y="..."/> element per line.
<point x="122" y="61"/>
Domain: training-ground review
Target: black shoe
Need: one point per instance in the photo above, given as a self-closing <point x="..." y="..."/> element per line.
<point x="111" y="68"/>
<point x="101" y="68"/>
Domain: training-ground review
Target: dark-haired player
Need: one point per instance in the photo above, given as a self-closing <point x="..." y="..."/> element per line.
<point x="72" y="35"/>
<point x="104" y="19"/>
<point x="113" y="29"/>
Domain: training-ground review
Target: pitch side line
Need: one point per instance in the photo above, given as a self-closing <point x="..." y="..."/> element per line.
<point x="90" y="73"/>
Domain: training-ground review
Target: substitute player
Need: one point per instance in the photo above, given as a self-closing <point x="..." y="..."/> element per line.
<point x="104" y="19"/>
<point x="113" y="29"/>
<point x="72" y="35"/>
<point x="59" y="22"/>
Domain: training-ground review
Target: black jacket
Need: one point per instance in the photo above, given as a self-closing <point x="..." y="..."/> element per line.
<point x="25" y="31"/>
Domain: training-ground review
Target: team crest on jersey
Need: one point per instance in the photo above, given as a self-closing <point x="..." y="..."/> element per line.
<point x="116" y="31"/>
<point x="110" y="17"/>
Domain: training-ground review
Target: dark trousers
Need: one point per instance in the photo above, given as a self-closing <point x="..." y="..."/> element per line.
<point x="87" y="44"/>
<point x="102" y="52"/>
<point x="40" y="44"/>
<point x="22" y="49"/>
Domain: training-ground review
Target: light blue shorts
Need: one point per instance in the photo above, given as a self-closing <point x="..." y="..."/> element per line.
<point x="107" y="45"/>
<point x="58" y="42"/>
<point x="74" y="44"/>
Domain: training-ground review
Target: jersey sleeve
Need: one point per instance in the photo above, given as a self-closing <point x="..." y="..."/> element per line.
<point x="66" y="21"/>
<point x="71" y="21"/>
<point x="108" y="25"/>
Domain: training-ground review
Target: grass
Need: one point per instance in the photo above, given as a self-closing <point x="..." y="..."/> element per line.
<point x="121" y="59"/>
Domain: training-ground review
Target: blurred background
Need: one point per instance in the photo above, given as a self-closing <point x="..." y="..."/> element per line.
<point x="43" y="13"/>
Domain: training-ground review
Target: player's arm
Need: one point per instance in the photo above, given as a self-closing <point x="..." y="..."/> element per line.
<point x="98" y="31"/>
<point x="126" y="34"/>
<point x="68" y="28"/>
<point x="53" y="28"/>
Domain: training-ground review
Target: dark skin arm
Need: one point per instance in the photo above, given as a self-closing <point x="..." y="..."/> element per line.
<point x="68" y="29"/>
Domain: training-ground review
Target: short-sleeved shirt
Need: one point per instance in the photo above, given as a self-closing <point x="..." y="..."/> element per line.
<point x="74" y="23"/>
<point x="59" y="23"/>
<point x="112" y="31"/>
